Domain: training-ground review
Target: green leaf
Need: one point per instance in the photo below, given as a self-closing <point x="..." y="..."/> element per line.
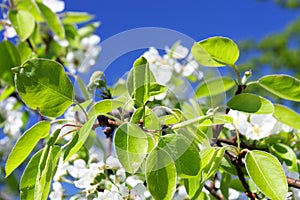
<point x="214" y="87"/>
<point x="88" y="29"/>
<point x="25" y="51"/>
<point x="31" y="7"/>
<point x="131" y="146"/>
<point x="76" y="17"/>
<point x="28" y="178"/>
<point x="25" y="145"/>
<point x="266" y="172"/>
<point x="183" y="152"/>
<point x="23" y="22"/>
<point x="52" y="20"/>
<point x="160" y="174"/>
<point x="138" y="81"/>
<point x="156" y="89"/>
<point x="42" y="84"/>
<point x="104" y="107"/>
<point x="150" y="122"/>
<point x="195" y="184"/>
<point x="285" y="154"/>
<point x="287" y="116"/>
<point x="251" y="103"/>
<point x="10" y="58"/>
<point x="48" y="162"/>
<point x="79" y="141"/>
<point x="212" y="159"/>
<point x="216" y="52"/>
<point x="284" y="86"/>
<point x="7" y="91"/>
<point x="225" y="184"/>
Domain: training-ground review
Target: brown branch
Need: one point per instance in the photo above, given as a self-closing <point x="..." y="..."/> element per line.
<point x="214" y="192"/>
<point x="293" y="182"/>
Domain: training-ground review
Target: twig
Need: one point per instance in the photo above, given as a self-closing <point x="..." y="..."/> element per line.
<point x="214" y="193"/>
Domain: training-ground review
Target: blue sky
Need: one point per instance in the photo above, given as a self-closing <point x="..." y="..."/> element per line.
<point x="199" y="19"/>
<point x="235" y="19"/>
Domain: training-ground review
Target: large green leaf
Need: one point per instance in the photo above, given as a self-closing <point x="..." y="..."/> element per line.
<point x="251" y="103"/>
<point x="42" y="84"/>
<point x="160" y="174"/>
<point x="131" y="146"/>
<point x="9" y="57"/>
<point x="104" y="106"/>
<point x="52" y="20"/>
<point x="183" y="152"/>
<point x="25" y="145"/>
<point x="78" y="141"/>
<point x="284" y="86"/>
<point x="266" y="172"/>
<point x="30" y="6"/>
<point x="216" y="52"/>
<point x="138" y="81"/>
<point x="287" y="116"/>
<point x="23" y="22"/>
<point x="213" y="87"/>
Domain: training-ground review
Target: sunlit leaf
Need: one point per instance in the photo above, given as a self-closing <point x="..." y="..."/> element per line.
<point x="131" y="146"/>
<point x="284" y="86"/>
<point x="42" y="84"/>
<point x="160" y="174"/>
<point x="10" y="57"/>
<point x="216" y="52"/>
<point x="266" y="172"/>
<point x="78" y="142"/>
<point x="213" y="87"/>
<point x="23" y="22"/>
<point x="251" y="103"/>
<point x="138" y="81"/>
<point x="287" y="116"/>
<point x="183" y="152"/>
<point x="105" y="106"/>
<point x="52" y="20"/>
<point x="25" y="145"/>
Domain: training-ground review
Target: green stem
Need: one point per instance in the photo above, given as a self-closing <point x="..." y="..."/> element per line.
<point x="191" y="121"/>
<point x="237" y="72"/>
<point x="83" y="110"/>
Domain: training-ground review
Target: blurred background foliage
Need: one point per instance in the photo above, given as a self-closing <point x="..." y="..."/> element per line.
<point x="277" y="53"/>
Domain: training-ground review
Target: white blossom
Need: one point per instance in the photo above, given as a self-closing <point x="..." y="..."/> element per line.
<point x="253" y="126"/>
<point x="55" y="5"/>
<point x="113" y="162"/>
<point x="108" y="195"/>
<point x="178" y="52"/>
<point x="62" y="168"/>
<point x="13" y="118"/>
<point x="81" y="60"/>
<point x="138" y="192"/>
<point x="58" y="191"/>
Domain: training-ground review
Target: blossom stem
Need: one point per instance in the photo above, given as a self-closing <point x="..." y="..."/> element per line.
<point x="83" y="110"/>
<point x="237" y="72"/>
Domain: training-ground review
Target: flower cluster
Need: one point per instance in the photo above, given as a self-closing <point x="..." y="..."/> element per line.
<point x="255" y="126"/>
<point x="83" y="59"/>
<point x="177" y="60"/>
<point x="97" y="180"/>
